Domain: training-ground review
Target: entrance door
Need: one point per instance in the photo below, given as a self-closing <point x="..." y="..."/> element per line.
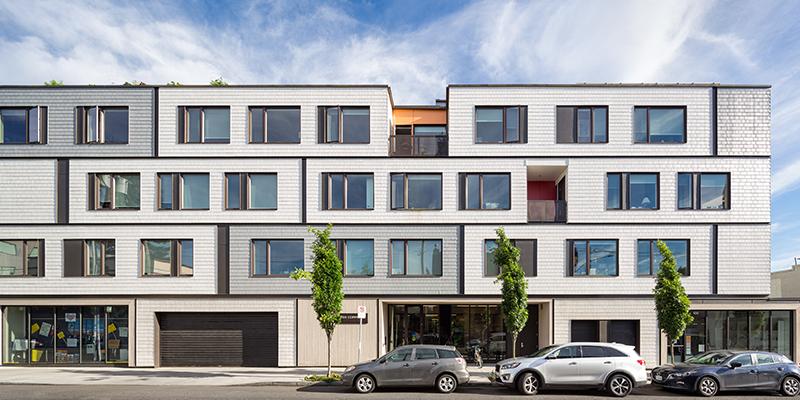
<point x="528" y="339"/>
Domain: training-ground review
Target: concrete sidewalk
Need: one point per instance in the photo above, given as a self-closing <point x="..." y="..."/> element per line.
<point x="176" y="376"/>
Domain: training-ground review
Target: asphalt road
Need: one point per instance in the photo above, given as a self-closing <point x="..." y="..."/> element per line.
<point x="116" y="392"/>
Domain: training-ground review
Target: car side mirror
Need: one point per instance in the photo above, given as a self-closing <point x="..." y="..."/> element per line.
<point x="735" y="365"/>
<point x="382" y="360"/>
<point x="551" y="357"/>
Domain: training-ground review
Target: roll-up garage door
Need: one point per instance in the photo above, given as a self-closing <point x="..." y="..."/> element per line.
<point x="218" y="339"/>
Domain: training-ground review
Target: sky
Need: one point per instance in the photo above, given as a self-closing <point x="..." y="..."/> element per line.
<point x="418" y="47"/>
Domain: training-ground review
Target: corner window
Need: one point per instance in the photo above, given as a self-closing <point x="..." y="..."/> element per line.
<point x="204" y="124"/>
<point x="648" y="258"/>
<point x="527" y="256"/>
<point x="596" y="257"/>
<point x="258" y="190"/>
<point x="501" y="124"/>
<point x="632" y="191"/>
<point x="485" y="191"/>
<point x="21" y="258"/>
<point x="26" y="125"/>
<point x="338" y="124"/>
<point x="274" y="124"/>
<point x="96" y="124"/>
<point x="582" y="124"/>
<point x="162" y="257"/>
<point x="659" y="124"/>
<point x="704" y="191"/>
<point x="114" y="191"/>
<point x="347" y="191"/>
<point x="416" y="191"/>
<point x="357" y="256"/>
<point x="276" y="257"/>
<point x="182" y="191"/>
<point x="416" y="257"/>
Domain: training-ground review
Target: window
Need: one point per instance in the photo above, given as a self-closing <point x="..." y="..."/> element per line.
<point x="587" y="124"/>
<point x="593" y="257"/>
<point x="337" y="124"/>
<point x="97" y="124"/>
<point x="163" y="257"/>
<point x="485" y="191"/>
<point x="659" y="124"/>
<point x="342" y="191"/>
<point x="648" y="258"/>
<point x="259" y="189"/>
<point x="274" y="124"/>
<point x="416" y="191"/>
<point x="448" y="353"/>
<point x="704" y="191"/>
<point x="593" y="352"/>
<point x="501" y="124"/>
<point x="527" y="256"/>
<point x="641" y="191"/>
<point x="422" y="353"/>
<point x="114" y="191"/>
<point x="416" y="257"/>
<point x="357" y="256"/>
<point x="21" y="257"/>
<point x="400" y="355"/>
<point x="94" y="257"/>
<point x="745" y="359"/>
<point x="182" y="191"/>
<point x="567" y="352"/>
<point x="276" y="257"/>
<point x="26" y="125"/>
<point x="764" y="359"/>
<point x="204" y="124"/>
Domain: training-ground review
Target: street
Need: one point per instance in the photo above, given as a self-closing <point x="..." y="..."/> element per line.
<point x="118" y="392"/>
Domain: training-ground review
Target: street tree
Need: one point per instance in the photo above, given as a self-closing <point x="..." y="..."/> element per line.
<point x="673" y="308"/>
<point x="514" y="287"/>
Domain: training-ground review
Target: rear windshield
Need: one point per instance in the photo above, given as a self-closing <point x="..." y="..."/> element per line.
<point x="448" y="353"/>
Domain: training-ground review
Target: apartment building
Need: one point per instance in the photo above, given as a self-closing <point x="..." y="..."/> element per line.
<point x="156" y="225"/>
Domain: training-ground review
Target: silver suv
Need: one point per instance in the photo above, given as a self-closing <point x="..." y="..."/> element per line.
<point x="615" y="367"/>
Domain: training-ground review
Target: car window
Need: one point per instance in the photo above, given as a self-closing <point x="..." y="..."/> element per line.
<point x="447" y="353"/>
<point x="592" y="351"/>
<point x="400" y="355"/>
<point x="566" y="352"/>
<point x="612" y="352"/>
<point x="709" y="358"/>
<point x="763" y="359"/>
<point x="425" y="354"/>
<point x="744" y="359"/>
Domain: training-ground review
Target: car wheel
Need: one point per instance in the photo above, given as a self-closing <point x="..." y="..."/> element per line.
<point x="619" y="385"/>
<point x="790" y="386"/>
<point x="364" y="383"/>
<point x="528" y="383"/>
<point x="707" y="387"/>
<point x="446" y="383"/>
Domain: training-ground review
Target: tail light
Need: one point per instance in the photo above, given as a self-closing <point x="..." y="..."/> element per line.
<point x="641" y="362"/>
<point x="461" y="360"/>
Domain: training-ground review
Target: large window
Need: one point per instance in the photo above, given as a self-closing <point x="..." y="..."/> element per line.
<point x="343" y="191"/>
<point x="274" y="124"/>
<point x="204" y="124"/>
<point x="632" y="191"/>
<point x="648" y="258"/>
<point x="357" y="256"/>
<point x="337" y="124"/>
<point x="26" y="125"/>
<point x="276" y="257"/>
<point x="101" y="125"/>
<point x="527" y="256"/>
<point x="416" y="257"/>
<point x="582" y="124"/>
<point x="659" y="124"/>
<point x="21" y="257"/>
<point x="182" y="191"/>
<point x="94" y="257"/>
<point x="501" y="124"/>
<point x="114" y="191"/>
<point x="416" y="191"/>
<point x="485" y="191"/>
<point x="595" y="257"/>
<point x="704" y="191"/>
<point x="251" y="191"/>
<point x="164" y="257"/>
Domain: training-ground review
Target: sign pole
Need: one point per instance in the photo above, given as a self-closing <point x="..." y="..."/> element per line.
<point x="362" y="313"/>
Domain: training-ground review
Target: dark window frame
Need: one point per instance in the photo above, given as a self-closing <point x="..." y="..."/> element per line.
<point x="25" y="265"/>
<point x="104" y="249"/>
<point x="245" y="192"/>
<point x="268" y="254"/>
<point x="42" y="124"/>
<point x="625" y="189"/>
<point x="591" y="109"/>
<point x="695" y="191"/>
<point x="463" y="197"/>
<point x="647" y="129"/>
<point x="405" y="191"/>
<point x="327" y="195"/>
<point x="341" y="252"/>
<point x="522" y="128"/>
<point x="322" y="118"/>
<point x="413" y="142"/>
<point x="264" y="119"/>
<point x="654" y="249"/>
<point x="81" y="122"/>
<point x="571" y="264"/>
<point x="94" y="188"/>
<point x="177" y="191"/>
<point x="183" y="126"/>
<point x="514" y="242"/>
<point x="176" y="261"/>
<point x="405" y="258"/>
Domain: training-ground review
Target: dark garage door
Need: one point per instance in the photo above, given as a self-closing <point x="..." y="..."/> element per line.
<point x="218" y="339"/>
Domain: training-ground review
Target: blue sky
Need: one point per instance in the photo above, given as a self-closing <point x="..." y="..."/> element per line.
<point x="418" y="47"/>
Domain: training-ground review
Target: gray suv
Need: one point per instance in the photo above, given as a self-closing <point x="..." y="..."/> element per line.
<point x="417" y="365"/>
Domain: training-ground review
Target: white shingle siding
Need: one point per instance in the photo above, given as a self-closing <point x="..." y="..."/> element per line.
<point x="744" y="259"/>
<point x="27" y="191"/>
<point x="743" y="122"/>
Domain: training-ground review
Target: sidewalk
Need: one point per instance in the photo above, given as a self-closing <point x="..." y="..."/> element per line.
<point x="176" y="376"/>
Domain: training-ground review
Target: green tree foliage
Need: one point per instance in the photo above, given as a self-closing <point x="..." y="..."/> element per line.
<point x="514" y="289"/>
<point x="134" y="83"/>
<point x="326" y="283"/>
<point x="672" y="303"/>
<point x="54" y="82"/>
<point x="218" y="82"/>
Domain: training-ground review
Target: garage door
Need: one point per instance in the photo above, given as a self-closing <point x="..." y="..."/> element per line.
<point x="218" y="339"/>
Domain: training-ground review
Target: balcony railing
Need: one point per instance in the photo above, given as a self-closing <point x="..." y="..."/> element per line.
<point x="547" y="211"/>
<point x="418" y="146"/>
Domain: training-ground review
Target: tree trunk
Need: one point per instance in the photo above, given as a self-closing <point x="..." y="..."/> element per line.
<point x="329" y="354"/>
<point x="513" y="345"/>
<point x="672" y="350"/>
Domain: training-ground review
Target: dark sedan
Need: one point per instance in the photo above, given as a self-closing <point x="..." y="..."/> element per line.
<point x="714" y="371"/>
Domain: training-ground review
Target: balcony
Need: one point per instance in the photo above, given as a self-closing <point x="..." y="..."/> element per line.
<point x="547" y="211"/>
<point x="418" y="146"/>
<point x="547" y="191"/>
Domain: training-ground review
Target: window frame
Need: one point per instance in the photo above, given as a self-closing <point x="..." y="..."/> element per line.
<point x="654" y="249"/>
<point x="322" y="119"/>
<point x="25" y="264"/>
<point x="42" y="124"/>
<point x="576" y="108"/>
<point x="103" y="252"/>
<point x="514" y="242"/>
<point x="464" y="195"/>
<point x="94" y="186"/>
<point x="183" y="126"/>
<point x="176" y="261"/>
<point x="625" y="189"/>
<point x="177" y="189"/>
<point x="405" y="191"/>
<point x="265" y="119"/>
<point x="571" y="266"/>
<point x="327" y="195"/>
<point x="268" y="254"/>
<point x="81" y="124"/>
<point x="405" y="258"/>
<point x="696" y="193"/>
<point x="647" y="126"/>
<point x="245" y="191"/>
<point x="522" y="128"/>
<point x="341" y="252"/>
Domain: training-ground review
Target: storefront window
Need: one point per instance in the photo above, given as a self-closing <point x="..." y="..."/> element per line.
<point x="16" y="336"/>
<point x="781" y="332"/>
<point x="117" y="331"/>
<point x="41" y="334"/>
<point x="737" y="330"/>
<point x="68" y="332"/>
<point x="759" y="330"/>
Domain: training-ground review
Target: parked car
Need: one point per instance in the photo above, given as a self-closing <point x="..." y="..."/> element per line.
<point x="714" y="371"/>
<point x="416" y="365"/>
<point x="615" y="367"/>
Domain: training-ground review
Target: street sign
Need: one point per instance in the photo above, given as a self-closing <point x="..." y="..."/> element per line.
<point x="362" y="312"/>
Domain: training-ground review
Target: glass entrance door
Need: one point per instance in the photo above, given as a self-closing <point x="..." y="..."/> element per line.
<point x="93" y="344"/>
